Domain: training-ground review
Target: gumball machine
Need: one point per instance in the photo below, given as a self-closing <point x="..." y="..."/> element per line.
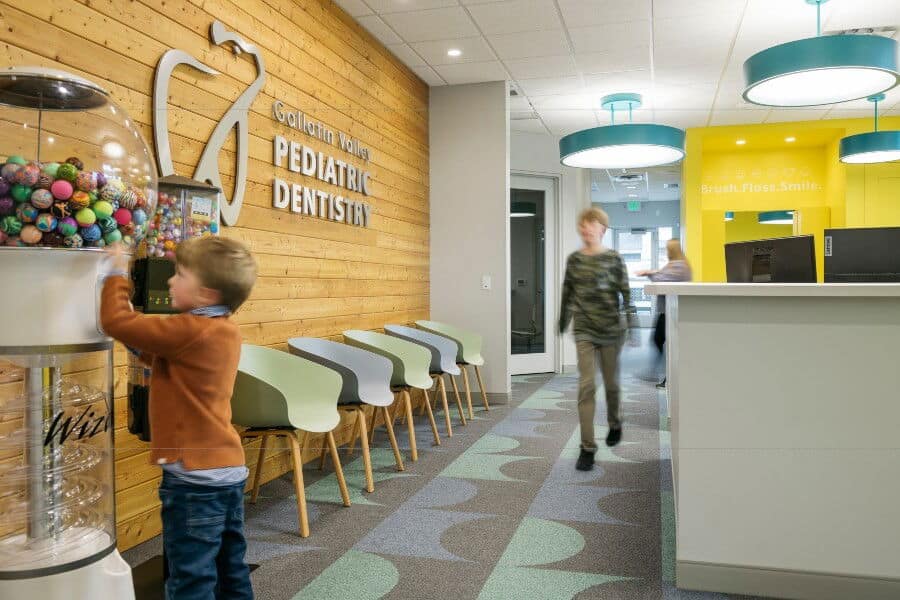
<point x="76" y="176"/>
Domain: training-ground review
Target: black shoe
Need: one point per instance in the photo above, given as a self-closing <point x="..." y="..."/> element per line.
<point x="661" y="385"/>
<point x="585" y="460"/>
<point x="613" y="437"/>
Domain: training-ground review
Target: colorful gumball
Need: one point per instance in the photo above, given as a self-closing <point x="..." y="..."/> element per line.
<point x="9" y="171"/>
<point x="7" y="206"/>
<point x="31" y="234"/>
<point x="113" y="190"/>
<point x="52" y="240"/>
<point x="101" y="179"/>
<point x="14" y="241"/>
<point x="20" y="193"/>
<point x="67" y="171"/>
<point x="169" y="245"/>
<point x="102" y="208"/>
<point x="107" y="224"/>
<point x="67" y="226"/>
<point x="122" y="216"/>
<point x="61" y="210"/>
<point x="61" y="189"/>
<point x="42" y="199"/>
<point x="90" y="234"/>
<point x="17" y="160"/>
<point x="4" y="187"/>
<point x="214" y="227"/>
<point x="80" y="200"/>
<point x="85" y="217"/>
<point x="10" y="225"/>
<point x="139" y="217"/>
<point x="113" y="236"/>
<point x="73" y="241"/>
<point x="127" y="229"/>
<point x="3" y="237"/>
<point x="50" y="169"/>
<point x="128" y="199"/>
<point x="86" y="181"/>
<point x="27" y="213"/>
<point x="76" y="162"/>
<point x="45" y="222"/>
<point x="28" y="175"/>
<point x="44" y="182"/>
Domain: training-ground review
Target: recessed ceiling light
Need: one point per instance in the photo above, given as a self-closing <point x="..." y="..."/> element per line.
<point x="741" y="142"/>
<point x="790" y="139"/>
<point x="454" y="52"/>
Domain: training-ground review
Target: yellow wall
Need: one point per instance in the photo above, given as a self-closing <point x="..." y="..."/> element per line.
<point x="767" y="173"/>
<point x="746" y="227"/>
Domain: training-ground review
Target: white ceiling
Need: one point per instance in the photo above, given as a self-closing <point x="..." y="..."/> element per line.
<point x="562" y="56"/>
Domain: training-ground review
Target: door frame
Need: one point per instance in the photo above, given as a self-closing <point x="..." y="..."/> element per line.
<point x="538" y="363"/>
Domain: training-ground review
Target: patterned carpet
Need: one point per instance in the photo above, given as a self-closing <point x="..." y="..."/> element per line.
<point x="497" y="512"/>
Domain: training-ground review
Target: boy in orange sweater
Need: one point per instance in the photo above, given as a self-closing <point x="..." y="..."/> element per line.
<point x="195" y="357"/>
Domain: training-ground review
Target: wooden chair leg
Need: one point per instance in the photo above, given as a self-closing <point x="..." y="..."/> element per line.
<point x="459" y="406"/>
<point x="481" y="385"/>
<point x="372" y="423"/>
<point x="338" y="471"/>
<point x="390" y="429"/>
<point x="299" y="488"/>
<point x="413" y="451"/>
<point x="257" y="477"/>
<point x="468" y="391"/>
<point x="427" y="401"/>
<point x="364" y="444"/>
<point x="322" y="455"/>
<point x="443" y="388"/>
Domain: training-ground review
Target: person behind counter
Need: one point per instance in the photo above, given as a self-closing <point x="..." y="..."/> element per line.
<point x="595" y="290"/>
<point x="677" y="269"/>
<point x="195" y="357"/>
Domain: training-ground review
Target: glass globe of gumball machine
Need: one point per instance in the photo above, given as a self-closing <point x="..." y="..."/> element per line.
<point x="76" y="176"/>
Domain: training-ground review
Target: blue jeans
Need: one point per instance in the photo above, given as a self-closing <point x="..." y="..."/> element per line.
<point x="203" y="538"/>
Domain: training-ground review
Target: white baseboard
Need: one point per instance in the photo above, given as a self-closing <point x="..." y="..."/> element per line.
<point x="775" y="583"/>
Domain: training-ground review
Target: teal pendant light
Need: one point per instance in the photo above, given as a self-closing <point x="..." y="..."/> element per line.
<point x="625" y="146"/>
<point x="872" y="147"/>
<point x="729" y="216"/>
<point x="822" y="70"/>
<point x="776" y="217"/>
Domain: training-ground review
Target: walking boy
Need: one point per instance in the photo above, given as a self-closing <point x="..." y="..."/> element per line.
<point x="594" y="290"/>
<point x="194" y="356"/>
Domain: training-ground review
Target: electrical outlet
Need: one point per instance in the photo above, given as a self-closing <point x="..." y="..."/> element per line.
<point x="485" y="282"/>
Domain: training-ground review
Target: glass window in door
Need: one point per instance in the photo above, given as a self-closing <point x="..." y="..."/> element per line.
<point x="636" y="248"/>
<point x="528" y="302"/>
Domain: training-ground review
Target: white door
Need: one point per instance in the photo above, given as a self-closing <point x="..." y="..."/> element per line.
<point x="532" y="238"/>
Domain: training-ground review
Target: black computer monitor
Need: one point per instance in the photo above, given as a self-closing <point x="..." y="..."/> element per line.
<point x="862" y="255"/>
<point x="776" y="260"/>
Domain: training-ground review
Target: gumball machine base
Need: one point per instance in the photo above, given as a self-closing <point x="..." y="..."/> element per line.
<point x="106" y="579"/>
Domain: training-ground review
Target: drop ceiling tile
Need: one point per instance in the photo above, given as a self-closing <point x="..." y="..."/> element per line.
<point x="528" y="126"/>
<point x="542" y="66"/>
<point x="587" y="13"/>
<point x="856" y="113"/>
<point x="706" y="74"/>
<point x="407" y="55"/>
<point x="530" y="44"/>
<point x="681" y="97"/>
<point x="629" y="59"/>
<point x="475" y="2"/>
<point x="667" y="9"/>
<point x="681" y="118"/>
<point x="609" y="38"/>
<point x="354" y="8"/>
<point x="892" y="97"/>
<point x="854" y="15"/>
<point x="474" y="49"/>
<point x="551" y="86"/>
<point x="437" y="24"/>
<point x="519" y="103"/>
<point x="471" y="72"/>
<point x="689" y="53"/>
<point x="637" y="82"/>
<point x="784" y="115"/>
<point x="585" y="102"/>
<point x="563" y="122"/>
<point x="686" y="29"/>
<point x="515" y="16"/>
<point x="428" y="75"/>
<point x="380" y="30"/>
<point x="395" y="6"/>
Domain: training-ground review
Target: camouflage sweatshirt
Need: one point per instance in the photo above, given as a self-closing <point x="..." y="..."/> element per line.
<point x="595" y="290"/>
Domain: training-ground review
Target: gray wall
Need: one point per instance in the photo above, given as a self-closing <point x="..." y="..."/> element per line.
<point x="652" y="214"/>
<point x="469" y="190"/>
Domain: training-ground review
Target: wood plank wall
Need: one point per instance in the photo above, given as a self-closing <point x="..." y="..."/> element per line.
<point x="317" y="278"/>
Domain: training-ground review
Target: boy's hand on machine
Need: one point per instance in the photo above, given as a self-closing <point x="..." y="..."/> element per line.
<point x="117" y="257"/>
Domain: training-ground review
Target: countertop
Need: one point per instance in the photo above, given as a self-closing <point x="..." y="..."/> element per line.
<point x="811" y="290"/>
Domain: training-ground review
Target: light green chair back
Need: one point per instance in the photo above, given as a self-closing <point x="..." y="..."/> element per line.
<point x="469" y="342"/>
<point x="411" y="361"/>
<point x="277" y="389"/>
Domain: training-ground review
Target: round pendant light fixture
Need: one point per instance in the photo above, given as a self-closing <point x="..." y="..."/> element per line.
<point x="821" y="70"/>
<point x="625" y="146"/>
<point x="776" y="217"/>
<point x="872" y="147"/>
<point x="729" y="216"/>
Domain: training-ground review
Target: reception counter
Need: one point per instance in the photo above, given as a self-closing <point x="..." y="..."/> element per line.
<point x="785" y="420"/>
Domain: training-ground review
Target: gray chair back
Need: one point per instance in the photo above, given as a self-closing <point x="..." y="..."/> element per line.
<point x="443" y="349"/>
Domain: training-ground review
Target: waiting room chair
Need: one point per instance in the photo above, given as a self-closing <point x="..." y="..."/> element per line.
<point x="468" y="354"/>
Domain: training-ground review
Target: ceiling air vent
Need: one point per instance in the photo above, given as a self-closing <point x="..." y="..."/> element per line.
<point x="888" y="32"/>
<point x="628" y="178"/>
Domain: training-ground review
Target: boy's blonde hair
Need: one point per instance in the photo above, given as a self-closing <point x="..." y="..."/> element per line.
<point x="221" y="264"/>
<point x="674" y="251"/>
<point x="594" y="214"/>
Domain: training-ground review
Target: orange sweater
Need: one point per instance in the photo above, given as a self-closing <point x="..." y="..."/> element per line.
<point x="195" y="361"/>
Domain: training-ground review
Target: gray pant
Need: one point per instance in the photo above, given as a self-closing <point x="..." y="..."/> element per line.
<point x="587" y="387"/>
